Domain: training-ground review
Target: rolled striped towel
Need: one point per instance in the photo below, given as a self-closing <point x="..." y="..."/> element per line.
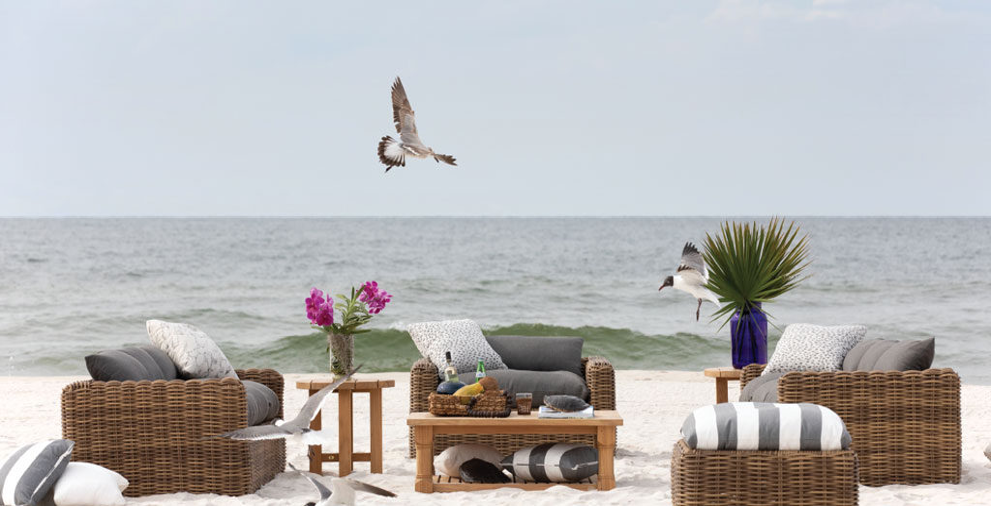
<point x="765" y="426"/>
<point x="553" y="462"/>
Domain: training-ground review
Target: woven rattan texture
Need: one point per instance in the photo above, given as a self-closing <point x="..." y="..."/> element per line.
<point x="760" y="478"/>
<point x="905" y="426"/>
<point x="155" y="433"/>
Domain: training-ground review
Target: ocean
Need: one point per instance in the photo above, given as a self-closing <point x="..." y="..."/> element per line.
<point x="74" y="286"/>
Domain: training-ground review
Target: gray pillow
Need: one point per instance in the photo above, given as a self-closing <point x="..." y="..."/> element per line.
<point x="553" y="462"/>
<point x="530" y="353"/>
<point x="263" y="403"/>
<point x="764" y="388"/>
<point x="28" y="474"/>
<point x="131" y="364"/>
<point x="888" y="355"/>
<point x="538" y="383"/>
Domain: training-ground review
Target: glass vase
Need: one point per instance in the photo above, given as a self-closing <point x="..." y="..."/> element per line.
<point x="342" y="353"/>
<point x="749" y="337"/>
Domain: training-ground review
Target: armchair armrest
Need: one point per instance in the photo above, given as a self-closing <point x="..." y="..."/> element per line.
<point x="750" y="372"/>
<point x="423" y="380"/>
<point x="601" y="380"/>
<point x="267" y="377"/>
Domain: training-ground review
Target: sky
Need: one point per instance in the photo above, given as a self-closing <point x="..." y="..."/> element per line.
<point x="702" y="108"/>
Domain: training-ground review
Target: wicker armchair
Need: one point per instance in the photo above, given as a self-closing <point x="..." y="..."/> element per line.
<point x="598" y="374"/>
<point x="905" y="426"/>
<point x="155" y="433"/>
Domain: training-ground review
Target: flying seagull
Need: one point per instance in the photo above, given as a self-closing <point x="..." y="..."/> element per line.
<point x="297" y="428"/>
<point x="691" y="277"/>
<point x="393" y="153"/>
<point x="342" y="491"/>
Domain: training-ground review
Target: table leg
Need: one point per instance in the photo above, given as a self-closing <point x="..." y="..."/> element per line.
<point x="424" y="439"/>
<point x="375" y="430"/>
<point x="606" y="442"/>
<point x="721" y="390"/>
<point x="345" y="442"/>
<point x="314" y="452"/>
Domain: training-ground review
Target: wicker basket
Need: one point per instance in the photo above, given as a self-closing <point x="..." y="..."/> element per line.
<point x="487" y="404"/>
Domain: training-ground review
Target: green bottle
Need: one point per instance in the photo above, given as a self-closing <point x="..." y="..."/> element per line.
<point x="480" y="371"/>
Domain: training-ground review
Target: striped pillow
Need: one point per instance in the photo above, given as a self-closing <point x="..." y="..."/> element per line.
<point x="31" y="471"/>
<point x="553" y="462"/>
<point x="765" y="426"/>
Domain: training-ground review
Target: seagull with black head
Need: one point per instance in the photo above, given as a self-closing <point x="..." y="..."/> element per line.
<point x="691" y="277"/>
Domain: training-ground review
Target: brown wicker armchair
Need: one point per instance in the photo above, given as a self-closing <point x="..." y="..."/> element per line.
<point x="905" y="426"/>
<point x="155" y="433"/>
<point x="598" y="374"/>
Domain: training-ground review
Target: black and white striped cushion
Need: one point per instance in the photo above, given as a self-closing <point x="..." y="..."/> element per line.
<point x="765" y="426"/>
<point x="32" y="470"/>
<point x="553" y="462"/>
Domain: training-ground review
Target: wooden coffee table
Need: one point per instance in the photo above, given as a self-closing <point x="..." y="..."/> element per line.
<point x="346" y="456"/>
<point x="426" y="425"/>
<point x="722" y="375"/>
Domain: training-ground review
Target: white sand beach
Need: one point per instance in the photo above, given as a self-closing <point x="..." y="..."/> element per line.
<point x="653" y="403"/>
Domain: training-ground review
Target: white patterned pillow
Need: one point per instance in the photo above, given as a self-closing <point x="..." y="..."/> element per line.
<point x="195" y="354"/>
<point x="463" y="338"/>
<point x="805" y="347"/>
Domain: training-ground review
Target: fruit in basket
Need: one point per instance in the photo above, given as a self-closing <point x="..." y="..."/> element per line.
<point x="489" y="383"/>
<point x="449" y="387"/>
<point x="466" y="392"/>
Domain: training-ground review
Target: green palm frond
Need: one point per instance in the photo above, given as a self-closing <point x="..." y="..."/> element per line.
<point x="750" y="264"/>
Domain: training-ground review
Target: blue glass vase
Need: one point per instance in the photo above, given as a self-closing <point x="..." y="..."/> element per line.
<point x="749" y="338"/>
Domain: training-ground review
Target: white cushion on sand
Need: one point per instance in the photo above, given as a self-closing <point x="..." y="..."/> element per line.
<point x="85" y="484"/>
<point x="449" y="461"/>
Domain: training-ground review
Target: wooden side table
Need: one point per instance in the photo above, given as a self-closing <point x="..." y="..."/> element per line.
<point x="722" y="374"/>
<point x="346" y="456"/>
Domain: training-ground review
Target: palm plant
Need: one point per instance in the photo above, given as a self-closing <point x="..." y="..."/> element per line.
<point x="750" y="264"/>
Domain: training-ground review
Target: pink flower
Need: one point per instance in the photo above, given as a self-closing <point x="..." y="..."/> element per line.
<point x="375" y="298"/>
<point x="320" y="309"/>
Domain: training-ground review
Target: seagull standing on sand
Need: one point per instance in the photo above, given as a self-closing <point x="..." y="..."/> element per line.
<point x="393" y="153"/>
<point x="691" y="277"/>
<point x="342" y="491"/>
<point x="297" y="428"/>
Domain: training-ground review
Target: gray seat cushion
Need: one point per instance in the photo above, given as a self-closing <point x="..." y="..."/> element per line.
<point x="530" y="353"/>
<point x="764" y="388"/>
<point x="538" y="383"/>
<point x="888" y="355"/>
<point x="131" y="364"/>
<point x="263" y="403"/>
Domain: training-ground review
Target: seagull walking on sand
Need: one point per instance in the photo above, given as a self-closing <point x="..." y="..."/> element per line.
<point x="342" y="491"/>
<point x="297" y="428"/>
<point x="691" y="277"/>
<point x="393" y="153"/>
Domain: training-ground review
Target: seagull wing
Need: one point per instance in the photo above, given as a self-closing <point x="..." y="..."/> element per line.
<point x="314" y="403"/>
<point x="361" y="486"/>
<point x="692" y="260"/>
<point x="258" y="432"/>
<point x="402" y="112"/>
<point x="321" y="488"/>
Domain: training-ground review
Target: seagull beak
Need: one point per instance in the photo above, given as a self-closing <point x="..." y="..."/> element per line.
<point x="660" y="287"/>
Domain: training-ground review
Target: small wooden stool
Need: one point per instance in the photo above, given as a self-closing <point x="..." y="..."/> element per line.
<point x="345" y="456"/>
<point x="722" y="374"/>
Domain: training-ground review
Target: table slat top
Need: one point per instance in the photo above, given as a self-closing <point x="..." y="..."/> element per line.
<point x="723" y="372"/>
<point x="362" y="385"/>
<point x="514" y="420"/>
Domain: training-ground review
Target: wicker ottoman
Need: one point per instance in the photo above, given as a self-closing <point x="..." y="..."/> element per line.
<point x="785" y="478"/>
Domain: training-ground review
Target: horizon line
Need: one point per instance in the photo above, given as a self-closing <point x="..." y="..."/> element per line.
<point x="490" y="216"/>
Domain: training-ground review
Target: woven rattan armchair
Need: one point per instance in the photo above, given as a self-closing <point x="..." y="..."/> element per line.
<point x="598" y="374"/>
<point x="155" y="433"/>
<point x="905" y="426"/>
